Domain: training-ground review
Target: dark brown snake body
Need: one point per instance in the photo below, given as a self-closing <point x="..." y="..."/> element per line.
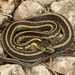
<point x="28" y="41"/>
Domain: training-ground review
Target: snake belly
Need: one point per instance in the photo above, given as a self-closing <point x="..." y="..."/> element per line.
<point x="21" y="37"/>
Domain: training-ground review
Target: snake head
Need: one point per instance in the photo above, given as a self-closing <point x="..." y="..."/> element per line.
<point x="42" y="45"/>
<point x="50" y="49"/>
<point x="46" y="46"/>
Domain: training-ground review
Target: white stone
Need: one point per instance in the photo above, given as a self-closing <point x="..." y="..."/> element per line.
<point x="62" y="0"/>
<point x="3" y="19"/>
<point x="11" y="70"/>
<point x="1" y="49"/>
<point x="44" y="1"/>
<point x="0" y="36"/>
<point x="9" y="8"/>
<point x="74" y="35"/>
<point x="28" y="9"/>
<point x="40" y="70"/>
<point x="66" y="8"/>
<point x="64" y="65"/>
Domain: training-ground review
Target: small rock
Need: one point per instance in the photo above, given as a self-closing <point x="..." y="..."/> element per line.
<point x="66" y="8"/>
<point x="9" y="8"/>
<point x="62" y="0"/>
<point x="0" y="37"/>
<point x="44" y="1"/>
<point x="1" y="49"/>
<point x="74" y="35"/>
<point x="40" y="70"/>
<point x="1" y="53"/>
<point x="11" y="70"/>
<point x="28" y="9"/>
<point x="64" y="65"/>
<point x="3" y="19"/>
<point x="74" y="32"/>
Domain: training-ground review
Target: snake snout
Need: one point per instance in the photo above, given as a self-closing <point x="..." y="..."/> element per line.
<point x="50" y="49"/>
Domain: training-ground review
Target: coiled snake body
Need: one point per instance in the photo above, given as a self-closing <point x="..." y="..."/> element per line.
<point x="29" y="42"/>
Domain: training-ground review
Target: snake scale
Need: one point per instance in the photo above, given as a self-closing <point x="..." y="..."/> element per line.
<point x="28" y="42"/>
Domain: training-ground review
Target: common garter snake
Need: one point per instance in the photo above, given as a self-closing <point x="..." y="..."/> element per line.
<point x="28" y="41"/>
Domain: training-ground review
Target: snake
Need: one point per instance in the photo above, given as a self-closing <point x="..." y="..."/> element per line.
<point x="28" y="41"/>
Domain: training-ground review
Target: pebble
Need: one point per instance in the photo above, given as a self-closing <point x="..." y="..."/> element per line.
<point x="11" y="70"/>
<point x="1" y="53"/>
<point x="28" y="9"/>
<point x="0" y="37"/>
<point x="3" y="19"/>
<point x="1" y="49"/>
<point x="66" y="8"/>
<point x="62" y="0"/>
<point x="8" y="9"/>
<point x="64" y="65"/>
<point x="44" y="2"/>
<point x="74" y="35"/>
<point x="40" y="70"/>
